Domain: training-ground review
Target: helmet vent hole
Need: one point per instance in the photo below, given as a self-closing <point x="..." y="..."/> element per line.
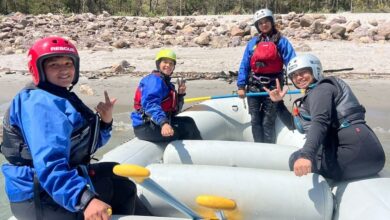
<point x="55" y="41"/>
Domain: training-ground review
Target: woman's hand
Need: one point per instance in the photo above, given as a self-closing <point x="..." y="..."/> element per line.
<point x="167" y="130"/>
<point x="241" y="93"/>
<point x="277" y="94"/>
<point x="302" y="166"/>
<point x="182" y="88"/>
<point x="105" y="108"/>
<point x="97" y="209"/>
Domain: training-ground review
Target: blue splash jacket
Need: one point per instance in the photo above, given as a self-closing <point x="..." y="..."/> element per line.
<point x="285" y="50"/>
<point x="47" y="122"/>
<point x="154" y="90"/>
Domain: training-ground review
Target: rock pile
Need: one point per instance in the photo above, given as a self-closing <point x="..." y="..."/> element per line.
<point x="105" y="32"/>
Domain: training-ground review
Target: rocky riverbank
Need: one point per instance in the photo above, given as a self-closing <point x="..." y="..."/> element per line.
<point x="208" y="47"/>
<point x="105" y="32"/>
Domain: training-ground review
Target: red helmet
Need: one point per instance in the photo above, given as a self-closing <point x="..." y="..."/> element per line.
<point x="50" y="47"/>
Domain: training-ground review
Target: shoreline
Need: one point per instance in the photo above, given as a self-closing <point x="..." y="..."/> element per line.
<point x="363" y="58"/>
<point x="370" y="91"/>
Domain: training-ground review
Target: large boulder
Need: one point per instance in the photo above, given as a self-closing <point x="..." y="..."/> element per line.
<point x="306" y="20"/>
<point x="352" y="25"/>
<point x="337" y="31"/>
<point x="203" y="39"/>
<point x="384" y="30"/>
<point x="338" y="20"/>
<point x="317" y="27"/>
<point x="236" y="31"/>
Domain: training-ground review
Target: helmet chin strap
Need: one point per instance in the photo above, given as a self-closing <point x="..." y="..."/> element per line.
<point x="313" y="85"/>
<point x="48" y="86"/>
<point x="70" y="87"/>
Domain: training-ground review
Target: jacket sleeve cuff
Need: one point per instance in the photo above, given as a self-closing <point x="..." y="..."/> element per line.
<point x="180" y="99"/>
<point x="104" y="125"/>
<point x="163" y="122"/>
<point x="241" y="87"/>
<point x="280" y="104"/>
<point x="306" y="155"/>
<point x="86" y="198"/>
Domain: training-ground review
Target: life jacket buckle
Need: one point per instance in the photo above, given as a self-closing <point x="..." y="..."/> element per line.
<point x="144" y="116"/>
<point x="345" y="124"/>
<point x="262" y="79"/>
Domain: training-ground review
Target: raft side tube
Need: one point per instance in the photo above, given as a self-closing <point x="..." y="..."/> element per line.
<point x="137" y="152"/>
<point x="363" y="199"/>
<point x="224" y="119"/>
<point x="229" y="153"/>
<point x="228" y="119"/>
<point x="259" y="194"/>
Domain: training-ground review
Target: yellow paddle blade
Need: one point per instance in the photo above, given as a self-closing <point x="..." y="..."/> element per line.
<point x="197" y="99"/>
<point x="215" y="202"/>
<point x="135" y="172"/>
<point x="109" y="211"/>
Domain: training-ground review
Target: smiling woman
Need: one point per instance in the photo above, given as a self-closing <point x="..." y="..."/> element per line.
<point x="49" y="137"/>
<point x="262" y="63"/>
<point x="59" y="70"/>
<point x="334" y="123"/>
<point x="302" y="78"/>
<point x="157" y="102"/>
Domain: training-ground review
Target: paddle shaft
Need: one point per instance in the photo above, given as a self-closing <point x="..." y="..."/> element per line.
<point x="153" y="187"/>
<point x="251" y="94"/>
<point x="141" y="175"/>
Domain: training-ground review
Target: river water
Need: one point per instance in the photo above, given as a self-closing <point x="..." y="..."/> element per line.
<point x="377" y="117"/>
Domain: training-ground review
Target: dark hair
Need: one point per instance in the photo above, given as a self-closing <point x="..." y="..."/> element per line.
<point x="56" y="57"/>
<point x="274" y="34"/>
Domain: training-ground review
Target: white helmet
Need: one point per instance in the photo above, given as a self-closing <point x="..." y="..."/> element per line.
<point x="262" y="13"/>
<point x="305" y="61"/>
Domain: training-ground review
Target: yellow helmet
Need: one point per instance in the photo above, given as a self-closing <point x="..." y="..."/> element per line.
<point x="166" y="53"/>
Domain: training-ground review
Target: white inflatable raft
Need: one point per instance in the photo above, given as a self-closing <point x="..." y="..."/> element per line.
<point x="255" y="176"/>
